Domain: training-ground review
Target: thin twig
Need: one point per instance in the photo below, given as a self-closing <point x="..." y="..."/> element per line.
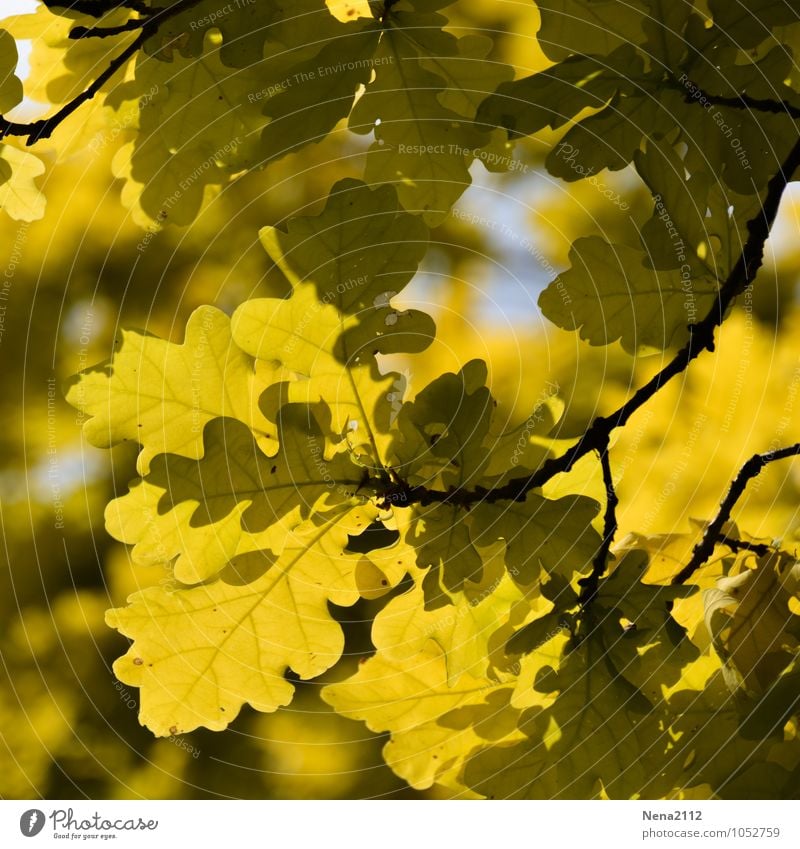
<point x="98" y="8"/>
<point x="600" y="560"/>
<point x="751" y="469"/>
<point x="44" y="127"/>
<point x="692" y="93"/>
<point x="759" y="548"/>
<point x="756" y="104"/>
<point x="80" y="32"/>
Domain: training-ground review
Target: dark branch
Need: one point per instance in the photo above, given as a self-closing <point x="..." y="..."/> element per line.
<point x="600" y="561"/>
<point x="107" y="32"/>
<point x="98" y="8"/>
<point x="759" y="548"/>
<point x="44" y="127"/>
<point x="692" y="93"/>
<point x="751" y="469"/>
<point x="701" y="338"/>
<point x="756" y="104"/>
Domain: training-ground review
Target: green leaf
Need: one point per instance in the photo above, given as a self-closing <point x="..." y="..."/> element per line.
<point x="471" y="630"/>
<point x="663" y="27"/>
<point x="541" y="535"/>
<point x="243" y="28"/>
<point x="419" y="106"/>
<point x="311" y="95"/>
<point x="443" y="433"/>
<point x="196" y="127"/>
<point x="162" y="395"/>
<point x="609" y="139"/>
<point x="309" y="338"/>
<point x="646" y="644"/>
<point x="747" y="146"/>
<point x="552" y="97"/>
<point x="588" y="26"/>
<point x="748" y="24"/>
<point x="709" y="749"/>
<point x="408" y="697"/>
<point x="233" y="501"/>
<point x="678" y="228"/>
<point x="330" y="343"/>
<point x="752" y="627"/>
<point x="20" y="197"/>
<point x="625" y="593"/>
<point x="441" y="537"/>
<point x="10" y="85"/>
<point x="262" y="87"/>
<point x="610" y="294"/>
<point x="592" y="737"/>
<point x="697" y="227"/>
<point x="360" y="248"/>
<point x="200" y="653"/>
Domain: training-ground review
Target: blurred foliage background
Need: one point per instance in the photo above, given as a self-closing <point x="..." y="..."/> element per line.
<point x="67" y="728"/>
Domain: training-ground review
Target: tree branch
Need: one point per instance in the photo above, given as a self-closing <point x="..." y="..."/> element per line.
<point x="107" y="32"/>
<point x="759" y="548"/>
<point x="98" y="8"/>
<point x="751" y="469"/>
<point x="701" y="338"/>
<point x="744" y="101"/>
<point x="44" y="127"/>
<point x="591" y="583"/>
<point x="692" y="93"/>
